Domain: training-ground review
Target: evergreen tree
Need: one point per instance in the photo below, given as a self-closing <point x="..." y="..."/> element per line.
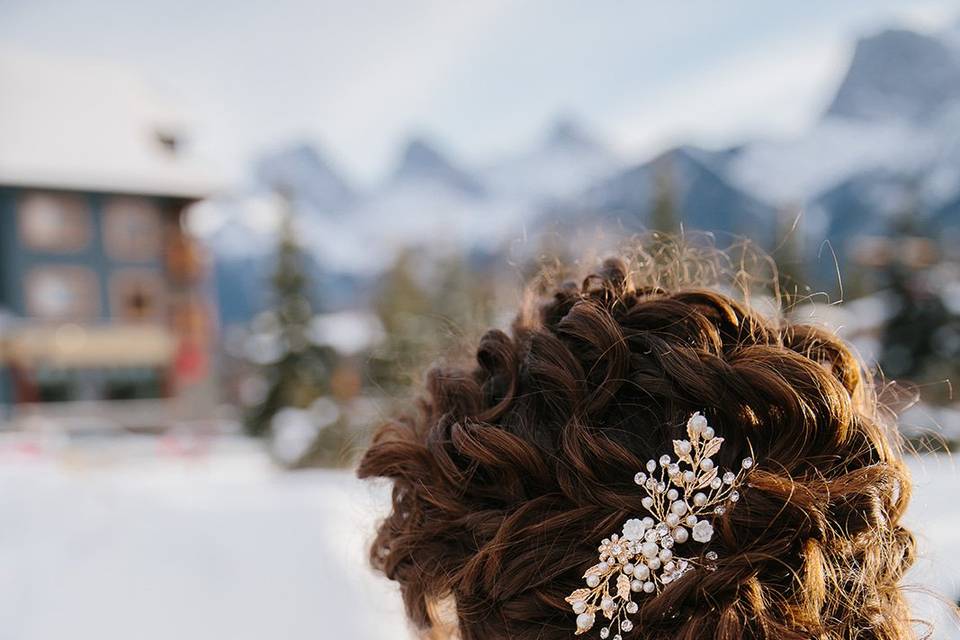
<point x="921" y="340"/>
<point x="664" y="216"/>
<point x="300" y="374"/>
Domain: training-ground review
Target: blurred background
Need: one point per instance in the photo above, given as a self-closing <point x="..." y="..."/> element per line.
<point x="233" y="233"/>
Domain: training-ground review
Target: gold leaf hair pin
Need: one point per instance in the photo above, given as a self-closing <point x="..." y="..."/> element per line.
<point x="682" y="496"/>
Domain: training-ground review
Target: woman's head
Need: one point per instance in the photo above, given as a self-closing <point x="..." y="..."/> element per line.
<point x="515" y="469"/>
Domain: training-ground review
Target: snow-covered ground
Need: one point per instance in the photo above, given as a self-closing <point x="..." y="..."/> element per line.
<point x="155" y="544"/>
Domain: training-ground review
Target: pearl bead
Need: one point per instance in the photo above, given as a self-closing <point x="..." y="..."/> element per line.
<point x="653" y="563"/>
<point x="647" y="502"/>
<point x="684" y="446"/>
<point x="666" y="555"/>
<point x="603" y="566"/>
<point x="641" y="571"/>
<point x="681" y="535"/>
<point x="672" y="494"/>
<point x="700" y="499"/>
<point x="593" y="581"/>
<point x="584" y="620"/>
<point x="672" y="519"/>
<point x="697" y="423"/>
<point x="636" y="586"/>
<point x="647" y="522"/>
<point x="579" y="606"/>
<point x="706" y="464"/>
<point x="679" y="507"/>
<point x="689" y="476"/>
<point x="648" y="587"/>
<point x="691" y="520"/>
<point x="650" y="549"/>
<point x="708" y="433"/>
<point x="606" y="603"/>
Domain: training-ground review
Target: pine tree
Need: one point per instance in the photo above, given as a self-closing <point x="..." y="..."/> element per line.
<point x="300" y="375"/>
<point x="663" y="215"/>
<point x="921" y="340"/>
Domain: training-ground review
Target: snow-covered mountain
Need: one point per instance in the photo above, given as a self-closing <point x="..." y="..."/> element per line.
<point x="887" y="143"/>
<point x="308" y="177"/>
<point x="691" y="180"/>
<point x="899" y="74"/>
<point x="565" y="162"/>
<point x="423" y="165"/>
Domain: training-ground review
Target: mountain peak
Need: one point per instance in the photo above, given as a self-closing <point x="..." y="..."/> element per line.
<point x="569" y="133"/>
<point x="898" y="73"/>
<point x="422" y="161"/>
<point x="307" y="176"/>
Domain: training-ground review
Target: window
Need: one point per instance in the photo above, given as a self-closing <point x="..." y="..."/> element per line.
<point x="132" y="229"/>
<point x="137" y="294"/>
<point x="62" y="293"/>
<point x="54" y="222"/>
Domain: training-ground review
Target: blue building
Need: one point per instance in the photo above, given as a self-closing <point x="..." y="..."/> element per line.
<point x="102" y="291"/>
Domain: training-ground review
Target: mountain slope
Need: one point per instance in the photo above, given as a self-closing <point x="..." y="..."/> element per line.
<point x="898" y="74"/>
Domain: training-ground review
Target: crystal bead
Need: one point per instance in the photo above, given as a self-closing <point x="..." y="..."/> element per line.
<point x="720" y="510"/>
<point x="747" y="463"/>
<point x="691" y="520"/>
<point x="640" y="478"/>
<point x="661" y="487"/>
<point x="667" y="543"/>
<point x="618" y="637"/>
<point x="626" y="625"/>
<point x="711" y="555"/>
<point x="734" y="496"/>
<point x="729" y="477"/>
<point x="651" y="466"/>
<point x="604" y="633"/>
<point x="647" y="502"/>
<point x="673" y="469"/>
<point x="672" y="494"/>
<point x="664" y="460"/>
<point x="632" y="607"/>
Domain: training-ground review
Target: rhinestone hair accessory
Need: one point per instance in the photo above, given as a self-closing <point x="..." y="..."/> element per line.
<point x="682" y="496"/>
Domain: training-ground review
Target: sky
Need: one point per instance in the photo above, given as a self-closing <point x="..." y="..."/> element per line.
<point x="482" y="79"/>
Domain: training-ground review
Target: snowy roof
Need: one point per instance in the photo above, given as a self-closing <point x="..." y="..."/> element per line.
<point x="89" y="125"/>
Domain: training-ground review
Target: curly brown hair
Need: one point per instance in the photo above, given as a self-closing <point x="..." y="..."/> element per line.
<point x="511" y="473"/>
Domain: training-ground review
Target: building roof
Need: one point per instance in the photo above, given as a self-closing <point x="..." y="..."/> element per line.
<point x="90" y="125"/>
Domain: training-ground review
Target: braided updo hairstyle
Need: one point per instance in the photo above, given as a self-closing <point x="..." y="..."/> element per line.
<point x="514" y="469"/>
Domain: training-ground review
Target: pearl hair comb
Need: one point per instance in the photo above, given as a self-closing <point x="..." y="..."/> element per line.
<point x="642" y="559"/>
